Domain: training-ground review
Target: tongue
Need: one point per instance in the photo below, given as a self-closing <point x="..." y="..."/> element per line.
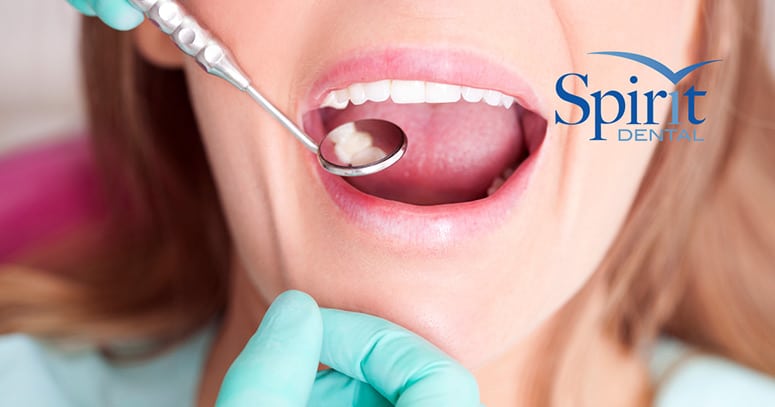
<point x="454" y="150"/>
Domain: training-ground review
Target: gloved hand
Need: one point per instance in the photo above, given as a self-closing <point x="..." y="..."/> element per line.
<point x="118" y="14"/>
<point x="374" y="363"/>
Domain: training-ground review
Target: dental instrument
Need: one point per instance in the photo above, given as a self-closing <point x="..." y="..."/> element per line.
<point x="352" y="149"/>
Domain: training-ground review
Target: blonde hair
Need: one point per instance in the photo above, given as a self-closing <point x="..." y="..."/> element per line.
<point x="695" y="256"/>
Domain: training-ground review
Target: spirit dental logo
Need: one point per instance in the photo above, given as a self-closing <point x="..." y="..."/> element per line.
<point x="633" y="132"/>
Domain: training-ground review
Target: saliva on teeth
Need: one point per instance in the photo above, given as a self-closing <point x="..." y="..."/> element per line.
<point x="355" y="147"/>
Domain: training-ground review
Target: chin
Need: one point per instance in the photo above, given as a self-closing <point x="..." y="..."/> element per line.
<point x="424" y="243"/>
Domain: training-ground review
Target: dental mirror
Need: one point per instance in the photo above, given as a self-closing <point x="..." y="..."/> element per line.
<point x="361" y="147"/>
<point x="353" y="149"/>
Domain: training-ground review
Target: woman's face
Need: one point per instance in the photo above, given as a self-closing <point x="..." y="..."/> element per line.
<point x="424" y="245"/>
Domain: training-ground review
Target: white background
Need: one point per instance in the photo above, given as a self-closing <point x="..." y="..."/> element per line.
<point x="39" y="88"/>
<point x="39" y="81"/>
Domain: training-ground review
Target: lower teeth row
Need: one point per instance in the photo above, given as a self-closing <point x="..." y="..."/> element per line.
<point x="499" y="181"/>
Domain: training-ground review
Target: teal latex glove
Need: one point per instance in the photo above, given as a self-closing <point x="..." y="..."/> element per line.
<point x="118" y="14"/>
<point x="374" y="363"/>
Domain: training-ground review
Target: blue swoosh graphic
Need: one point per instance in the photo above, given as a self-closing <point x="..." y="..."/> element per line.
<point x="652" y="63"/>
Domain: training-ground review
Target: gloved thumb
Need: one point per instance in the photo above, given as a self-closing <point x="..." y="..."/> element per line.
<point x="118" y="14"/>
<point x="278" y="365"/>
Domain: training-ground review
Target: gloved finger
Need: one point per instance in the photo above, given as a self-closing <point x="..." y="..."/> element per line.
<point x="332" y="388"/>
<point x="405" y="368"/>
<point x="277" y="367"/>
<point x="118" y="14"/>
<point x="83" y="7"/>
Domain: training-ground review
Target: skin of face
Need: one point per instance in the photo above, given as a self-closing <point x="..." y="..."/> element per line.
<point x="476" y="297"/>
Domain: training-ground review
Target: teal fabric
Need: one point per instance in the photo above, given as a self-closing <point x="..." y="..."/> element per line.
<point x="36" y="374"/>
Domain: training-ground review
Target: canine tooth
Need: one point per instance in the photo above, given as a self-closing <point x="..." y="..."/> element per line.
<point x="492" y="97"/>
<point x="329" y="101"/>
<point x="507" y="101"/>
<point x="378" y="91"/>
<point x="357" y="93"/>
<point x="441" y="93"/>
<point x="367" y="156"/>
<point x="472" y="95"/>
<point x="407" y="91"/>
<point x="333" y="99"/>
<point x="352" y="144"/>
<point x="339" y="105"/>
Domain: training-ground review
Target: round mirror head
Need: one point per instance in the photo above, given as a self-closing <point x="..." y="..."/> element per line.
<point x="362" y="147"/>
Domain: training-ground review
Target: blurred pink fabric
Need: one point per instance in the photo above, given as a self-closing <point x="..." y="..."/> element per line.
<point x="46" y="191"/>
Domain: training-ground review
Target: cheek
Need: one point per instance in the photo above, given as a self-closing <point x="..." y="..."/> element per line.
<point x="601" y="178"/>
<point x="234" y="136"/>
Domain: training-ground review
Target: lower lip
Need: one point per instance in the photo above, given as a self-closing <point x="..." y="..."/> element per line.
<point x="414" y="228"/>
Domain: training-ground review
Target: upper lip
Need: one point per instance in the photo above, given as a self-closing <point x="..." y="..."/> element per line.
<point x="459" y="67"/>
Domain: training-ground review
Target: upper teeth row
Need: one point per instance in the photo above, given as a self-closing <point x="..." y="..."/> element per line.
<point x="401" y="91"/>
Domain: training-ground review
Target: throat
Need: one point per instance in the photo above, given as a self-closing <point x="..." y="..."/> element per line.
<point x="244" y="312"/>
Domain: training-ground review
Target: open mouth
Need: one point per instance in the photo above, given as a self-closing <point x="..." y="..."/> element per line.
<point x="463" y="142"/>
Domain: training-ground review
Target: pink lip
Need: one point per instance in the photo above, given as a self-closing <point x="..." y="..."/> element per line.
<point x="436" y="227"/>
<point x="449" y="66"/>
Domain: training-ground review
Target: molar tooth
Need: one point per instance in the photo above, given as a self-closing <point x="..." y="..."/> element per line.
<point x="492" y="97"/>
<point x="407" y="91"/>
<point x="368" y="155"/>
<point x="441" y="93"/>
<point x="352" y="144"/>
<point x="342" y="132"/>
<point x="378" y="91"/>
<point x="472" y="95"/>
<point x="507" y="101"/>
<point x="357" y="93"/>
